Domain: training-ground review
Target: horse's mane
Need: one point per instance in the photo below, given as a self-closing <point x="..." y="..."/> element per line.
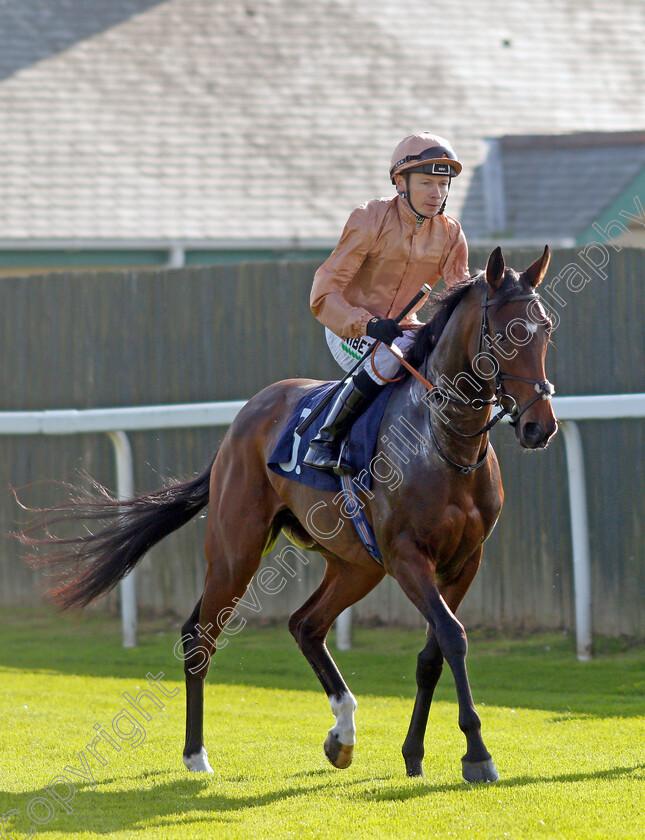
<point x="446" y="303"/>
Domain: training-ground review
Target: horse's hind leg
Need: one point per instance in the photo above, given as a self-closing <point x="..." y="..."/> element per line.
<point x="196" y="660"/>
<point x="240" y="525"/>
<point x="342" y="586"/>
<point x="226" y="583"/>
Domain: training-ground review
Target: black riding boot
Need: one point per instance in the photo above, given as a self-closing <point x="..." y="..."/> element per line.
<point x="324" y="450"/>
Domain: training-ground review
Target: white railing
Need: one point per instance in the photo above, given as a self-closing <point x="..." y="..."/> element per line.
<point x="116" y="421"/>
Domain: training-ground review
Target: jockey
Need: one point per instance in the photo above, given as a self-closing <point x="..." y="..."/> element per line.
<point x="388" y="249"/>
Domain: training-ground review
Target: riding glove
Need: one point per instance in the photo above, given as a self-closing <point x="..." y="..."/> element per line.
<point x="383" y="329"/>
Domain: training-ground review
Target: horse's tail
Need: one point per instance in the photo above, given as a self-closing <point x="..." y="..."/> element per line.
<point x="87" y="566"/>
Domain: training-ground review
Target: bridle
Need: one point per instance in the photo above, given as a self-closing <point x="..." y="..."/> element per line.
<point x="544" y="391"/>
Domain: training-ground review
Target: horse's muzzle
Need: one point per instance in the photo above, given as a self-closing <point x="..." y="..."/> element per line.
<point x="532" y="435"/>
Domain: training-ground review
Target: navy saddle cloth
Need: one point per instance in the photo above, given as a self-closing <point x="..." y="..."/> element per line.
<point x="286" y="458"/>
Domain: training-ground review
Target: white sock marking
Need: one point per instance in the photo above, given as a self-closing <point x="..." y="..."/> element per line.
<point x="343" y="709"/>
<point x="198" y="763"/>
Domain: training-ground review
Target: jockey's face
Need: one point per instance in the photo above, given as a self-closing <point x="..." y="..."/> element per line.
<point x="427" y="192"/>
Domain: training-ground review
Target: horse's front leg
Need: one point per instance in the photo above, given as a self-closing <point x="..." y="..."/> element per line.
<point x="446" y="640"/>
<point x="429" y="668"/>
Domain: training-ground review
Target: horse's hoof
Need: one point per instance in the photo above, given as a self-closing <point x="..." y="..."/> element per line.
<point x="339" y="754"/>
<point x="198" y="762"/>
<point x="413" y="767"/>
<point x="479" y="771"/>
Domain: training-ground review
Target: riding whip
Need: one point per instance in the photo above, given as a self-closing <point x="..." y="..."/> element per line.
<point x="322" y="405"/>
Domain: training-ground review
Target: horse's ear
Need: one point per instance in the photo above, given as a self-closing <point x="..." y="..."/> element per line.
<point x="536" y="271"/>
<point x="495" y="269"/>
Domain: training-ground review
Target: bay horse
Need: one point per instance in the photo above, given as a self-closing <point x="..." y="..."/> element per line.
<point x="485" y="346"/>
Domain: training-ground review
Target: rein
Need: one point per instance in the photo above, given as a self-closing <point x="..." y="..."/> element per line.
<point x="544" y="390"/>
<point x="425" y="382"/>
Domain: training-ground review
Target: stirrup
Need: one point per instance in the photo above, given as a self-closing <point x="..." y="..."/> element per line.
<point x="342" y="466"/>
<point x="348" y="405"/>
<point x="333" y="463"/>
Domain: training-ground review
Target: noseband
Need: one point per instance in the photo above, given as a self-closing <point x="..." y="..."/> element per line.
<point x="544" y="391"/>
<point x="543" y="387"/>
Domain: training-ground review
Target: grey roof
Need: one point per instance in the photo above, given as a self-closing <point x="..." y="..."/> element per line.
<point x="550" y="186"/>
<point x="273" y="118"/>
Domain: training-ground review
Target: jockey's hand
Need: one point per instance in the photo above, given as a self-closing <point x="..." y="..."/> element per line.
<point x="383" y="329"/>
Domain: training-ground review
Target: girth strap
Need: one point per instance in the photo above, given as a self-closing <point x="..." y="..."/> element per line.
<point x="359" y="520"/>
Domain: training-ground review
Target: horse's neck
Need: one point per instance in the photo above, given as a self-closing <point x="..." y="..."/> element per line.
<point x="450" y="364"/>
<point x="450" y="367"/>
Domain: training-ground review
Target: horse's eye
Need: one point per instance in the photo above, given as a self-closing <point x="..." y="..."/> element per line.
<point x="501" y="336"/>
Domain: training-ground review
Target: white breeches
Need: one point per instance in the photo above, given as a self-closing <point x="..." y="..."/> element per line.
<point x="347" y="351"/>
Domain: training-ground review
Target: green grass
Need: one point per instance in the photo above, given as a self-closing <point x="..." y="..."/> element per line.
<point x="567" y="738"/>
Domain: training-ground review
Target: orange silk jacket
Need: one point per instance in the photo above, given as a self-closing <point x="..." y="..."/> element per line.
<point x="381" y="261"/>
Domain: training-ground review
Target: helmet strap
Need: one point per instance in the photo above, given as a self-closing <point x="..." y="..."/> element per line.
<point x="406" y="196"/>
<point x="443" y="206"/>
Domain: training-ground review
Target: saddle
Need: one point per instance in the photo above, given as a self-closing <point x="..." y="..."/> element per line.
<point x="359" y="446"/>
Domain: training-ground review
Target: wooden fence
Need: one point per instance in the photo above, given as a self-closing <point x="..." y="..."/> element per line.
<point x="224" y="332"/>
